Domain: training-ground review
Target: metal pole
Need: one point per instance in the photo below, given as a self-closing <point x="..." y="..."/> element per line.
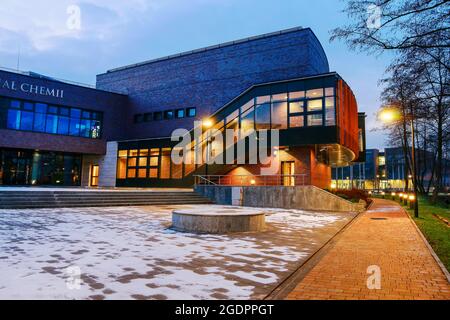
<point x="413" y="158"/>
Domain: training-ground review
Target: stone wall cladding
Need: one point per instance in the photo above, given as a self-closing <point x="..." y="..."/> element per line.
<point x="209" y="79"/>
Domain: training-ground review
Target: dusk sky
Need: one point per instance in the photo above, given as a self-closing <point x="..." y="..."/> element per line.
<point x="114" y="33"/>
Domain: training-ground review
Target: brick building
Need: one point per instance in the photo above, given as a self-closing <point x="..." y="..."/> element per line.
<point x="118" y="133"/>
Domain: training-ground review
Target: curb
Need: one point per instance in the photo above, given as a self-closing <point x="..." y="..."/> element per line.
<point x="430" y="249"/>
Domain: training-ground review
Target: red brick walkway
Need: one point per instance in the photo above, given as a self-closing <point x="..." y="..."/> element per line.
<point x="407" y="268"/>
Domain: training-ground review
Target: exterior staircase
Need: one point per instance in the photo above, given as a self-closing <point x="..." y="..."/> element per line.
<point x="72" y="199"/>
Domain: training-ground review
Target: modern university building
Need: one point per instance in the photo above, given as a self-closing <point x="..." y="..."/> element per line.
<point x="118" y="134"/>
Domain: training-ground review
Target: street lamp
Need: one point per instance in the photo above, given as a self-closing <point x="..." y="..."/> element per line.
<point x="390" y="114"/>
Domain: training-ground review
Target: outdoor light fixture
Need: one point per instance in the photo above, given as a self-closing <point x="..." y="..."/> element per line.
<point x="389" y="114"/>
<point x="252" y="182"/>
<point x="207" y="123"/>
<point x="411" y="201"/>
<point x="412" y="197"/>
<point x="393" y="195"/>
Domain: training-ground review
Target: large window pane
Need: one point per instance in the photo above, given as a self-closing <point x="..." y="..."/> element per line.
<point x="26" y="122"/>
<point x="263" y="116"/>
<point x="296" y="121"/>
<point x="297" y="95"/>
<point x="280" y="97"/>
<point x="13" y="119"/>
<point x="329" y="112"/>
<point x="85" y="128"/>
<point x="248" y="120"/>
<point x="316" y="93"/>
<point x="315" y="105"/>
<point x="315" y="119"/>
<point x="279" y="115"/>
<point x="40" y="107"/>
<point x="329" y="92"/>
<point x="95" y="129"/>
<point x="51" y="124"/>
<point x="75" y="113"/>
<point x="39" y="122"/>
<point x="296" y="107"/>
<point x="63" y="125"/>
<point x="74" y="129"/>
<point x="165" y="163"/>
<point x="262" y="100"/>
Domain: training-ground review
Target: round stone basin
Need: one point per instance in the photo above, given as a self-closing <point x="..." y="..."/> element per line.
<point x="218" y="219"/>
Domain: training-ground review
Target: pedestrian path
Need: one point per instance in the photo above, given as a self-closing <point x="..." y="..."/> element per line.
<point x="380" y="256"/>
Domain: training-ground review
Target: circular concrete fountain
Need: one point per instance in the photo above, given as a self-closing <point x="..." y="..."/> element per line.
<point x="218" y="219"/>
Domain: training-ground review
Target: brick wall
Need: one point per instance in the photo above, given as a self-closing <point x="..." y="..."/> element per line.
<point x="211" y="78"/>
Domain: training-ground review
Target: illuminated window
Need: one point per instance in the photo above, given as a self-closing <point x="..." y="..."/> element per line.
<point x="315" y="119"/>
<point x="142" y="173"/>
<point x="315" y="105"/>
<point x="280" y="97"/>
<point x="296" y="107"/>
<point x="329" y="92"/>
<point x="297" y="95"/>
<point x="142" y="162"/>
<point x="263" y="99"/>
<point x="131" y="173"/>
<point x="296" y="121"/>
<point x="279" y="115"/>
<point x="153" y="173"/>
<point x="316" y="93"/>
<point x="165" y="163"/>
<point x="330" y="118"/>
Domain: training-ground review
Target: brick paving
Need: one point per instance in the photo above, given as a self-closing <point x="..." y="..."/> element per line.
<point x="408" y="269"/>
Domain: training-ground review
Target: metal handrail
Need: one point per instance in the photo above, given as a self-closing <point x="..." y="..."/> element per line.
<point x="252" y="180"/>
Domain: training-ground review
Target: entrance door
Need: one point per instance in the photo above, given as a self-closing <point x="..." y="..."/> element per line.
<point x="288" y="171"/>
<point x="94" y="175"/>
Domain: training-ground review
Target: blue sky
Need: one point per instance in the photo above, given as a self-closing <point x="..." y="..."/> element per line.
<point x="115" y="33"/>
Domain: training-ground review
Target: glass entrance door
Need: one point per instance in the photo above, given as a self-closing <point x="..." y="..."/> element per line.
<point x="288" y="171"/>
<point x="94" y="175"/>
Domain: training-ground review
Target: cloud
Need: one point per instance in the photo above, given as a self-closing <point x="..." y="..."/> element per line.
<point x="42" y="24"/>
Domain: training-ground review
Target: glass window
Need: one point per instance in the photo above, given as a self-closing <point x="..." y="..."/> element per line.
<point x="157" y="116"/>
<point x="143" y="153"/>
<point x="315" y="105"/>
<point x="179" y="113"/>
<point x="138" y="118"/>
<point x="13" y="119"/>
<point x="39" y="122"/>
<point x="75" y="113"/>
<point x="148" y="117"/>
<point x="263" y="116"/>
<point x="165" y="163"/>
<point x="191" y="112"/>
<point x="247" y="106"/>
<point x="64" y="111"/>
<point x="85" y="127"/>
<point x="315" y="119"/>
<point x="63" y="125"/>
<point x="329" y="92"/>
<point x="86" y="114"/>
<point x="52" y="109"/>
<point x="168" y="114"/>
<point x="95" y="129"/>
<point x="40" y="107"/>
<point x="26" y="121"/>
<point x="297" y="95"/>
<point x="316" y="93"/>
<point x="296" y="121"/>
<point x="122" y="165"/>
<point x="132" y="162"/>
<point x="142" y="162"/>
<point x="329" y="112"/>
<point x="51" y="124"/>
<point x="296" y="107"/>
<point x="232" y="116"/>
<point x="133" y="153"/>
<point x="262" y="99"/>
<point x="142" y="173"/>
<point x="153" y="173"/>
<point x="131" y="173"/>
<point x="280" y="97"/>
<point x="154" y="161"/>
<point x="154" y="152"/>
<point x="96" y="115"/>
<point x="28" y="106"/>
<point x="15" y="104"/>
<point x="279" y="115"/>
<point x="248" y="120"/>
<point x="74" y="129"/>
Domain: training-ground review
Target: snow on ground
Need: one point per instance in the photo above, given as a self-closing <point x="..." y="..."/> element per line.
<point x="130" y="253"/>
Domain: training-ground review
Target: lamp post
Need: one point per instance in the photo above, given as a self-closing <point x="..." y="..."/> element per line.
<point x="391" y="114"/>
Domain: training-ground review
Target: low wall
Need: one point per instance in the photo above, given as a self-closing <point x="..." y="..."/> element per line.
<point x="299" y="197"/>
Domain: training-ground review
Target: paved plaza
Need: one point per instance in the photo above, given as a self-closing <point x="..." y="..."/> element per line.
<point x="131" y="253"/>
